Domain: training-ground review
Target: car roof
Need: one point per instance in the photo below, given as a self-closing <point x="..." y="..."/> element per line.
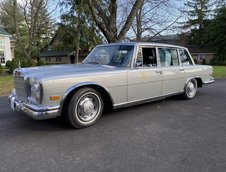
<point x="142" y="44"/>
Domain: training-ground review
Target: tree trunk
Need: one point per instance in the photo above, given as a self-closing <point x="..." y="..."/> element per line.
<point x="107" y="23"/>
<point x="77" y="52"/>
<point x="139" y="24"/>
<point x="77" y="42"/>
<point x="78" y="29"/>
<point x="17" y="29"/>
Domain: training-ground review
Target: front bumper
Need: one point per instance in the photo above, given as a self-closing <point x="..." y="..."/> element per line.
<point x="209" y="82"/>
<point x="32" y="110"/>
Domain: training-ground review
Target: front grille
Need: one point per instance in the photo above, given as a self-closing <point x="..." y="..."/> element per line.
<point x="20" y="87"/>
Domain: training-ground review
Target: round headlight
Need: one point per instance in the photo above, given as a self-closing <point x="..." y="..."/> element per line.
<point x="35" y="90"/>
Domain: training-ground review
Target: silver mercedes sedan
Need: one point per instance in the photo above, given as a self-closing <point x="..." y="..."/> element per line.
<point x="112" y="76"/>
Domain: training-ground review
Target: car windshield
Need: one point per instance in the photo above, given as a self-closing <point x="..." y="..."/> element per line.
<point x="114" y="55"/>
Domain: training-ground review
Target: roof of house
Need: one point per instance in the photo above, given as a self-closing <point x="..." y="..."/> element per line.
<point x="3" y="32"/>
<point x="173" y="39"/>
<point x="199" y="49"/>
<point x="54" y="54"/>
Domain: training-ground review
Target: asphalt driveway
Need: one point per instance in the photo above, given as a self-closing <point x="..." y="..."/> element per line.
<point x="169" y="135"/>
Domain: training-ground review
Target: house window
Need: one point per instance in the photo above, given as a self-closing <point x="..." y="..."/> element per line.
<point x="2" y="57"/>
<point x="58" y="59"/>
<point x="201" y="57"/>
<point x="2" y="42"/>
<point x="48" y="59"/>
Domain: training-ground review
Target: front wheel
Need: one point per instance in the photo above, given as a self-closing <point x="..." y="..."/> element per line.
<point x="190" y="89"/>
<point x="85" y="108"/>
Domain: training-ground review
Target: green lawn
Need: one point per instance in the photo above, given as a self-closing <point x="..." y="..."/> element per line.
<point x="6" y="82"/>
<point x="6" y="85"/>
<point x="219" y="71"/>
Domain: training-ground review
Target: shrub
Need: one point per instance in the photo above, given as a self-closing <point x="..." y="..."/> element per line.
<point x="31" y="63"/>
<point x="1" y="69"/>
<point x="11" y="65"/>
<point x="23" y="63"/>
<point x="27" y="63"/>
<point x="40" y="63"/>
<point x="204" y="61"/>
<point x="217" y="62"/>
<point x="8" y="64"/>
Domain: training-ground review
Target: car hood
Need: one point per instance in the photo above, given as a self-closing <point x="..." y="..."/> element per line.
<point x="68" y="70"/>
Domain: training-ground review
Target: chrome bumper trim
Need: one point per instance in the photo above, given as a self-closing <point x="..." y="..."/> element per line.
<point x="34" y="111"/>
<point x="209" y="82"/>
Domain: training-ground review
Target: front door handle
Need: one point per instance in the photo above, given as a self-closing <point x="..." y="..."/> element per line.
<point x="158" y="71"/>
<point x="181" y="70"/>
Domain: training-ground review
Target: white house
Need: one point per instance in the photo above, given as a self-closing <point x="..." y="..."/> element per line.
<point x="6" y="51"/>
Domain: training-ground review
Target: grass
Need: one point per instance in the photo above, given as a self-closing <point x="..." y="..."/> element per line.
<point x="6" y="82"/>
<point x="6" y="85"/>
<point x="219" y="71"/>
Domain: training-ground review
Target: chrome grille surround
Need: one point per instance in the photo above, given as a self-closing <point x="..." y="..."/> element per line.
<point x="22" y="85"/>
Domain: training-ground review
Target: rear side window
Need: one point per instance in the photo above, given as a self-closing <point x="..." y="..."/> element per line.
<point x="184" y="57"/>
<point x="168" y="57"/>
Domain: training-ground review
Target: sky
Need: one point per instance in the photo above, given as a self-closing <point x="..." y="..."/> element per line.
<point x="51" y="5"/>
<point x="54" y="6"/>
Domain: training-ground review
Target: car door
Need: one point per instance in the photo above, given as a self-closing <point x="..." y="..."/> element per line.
<point x="173" y="74"/>
<point x="187" y="63"/>
<point x="145" y="79"/>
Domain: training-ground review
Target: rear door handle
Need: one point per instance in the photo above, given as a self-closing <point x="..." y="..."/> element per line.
<point x="181" y="69"/>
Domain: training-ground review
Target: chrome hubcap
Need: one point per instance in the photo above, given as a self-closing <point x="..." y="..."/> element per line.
<point x="191" y="89"/>
<point x="88" y="107"/>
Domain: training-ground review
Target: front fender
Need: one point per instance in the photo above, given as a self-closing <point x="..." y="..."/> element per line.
<point x="76" y="87"/>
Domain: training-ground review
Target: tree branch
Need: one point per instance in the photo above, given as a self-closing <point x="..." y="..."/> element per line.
<point x="98" y="20"/>
<point x="130" y="19"/>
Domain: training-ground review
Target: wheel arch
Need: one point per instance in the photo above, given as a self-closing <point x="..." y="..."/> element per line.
<point x="198" y="79"/>
<point x="108" y="100"/>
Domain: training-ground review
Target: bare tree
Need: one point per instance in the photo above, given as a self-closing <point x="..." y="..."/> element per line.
<point x="36" y="22"/>
<point x="153" y="18"/>
<point x="105" y="16"/>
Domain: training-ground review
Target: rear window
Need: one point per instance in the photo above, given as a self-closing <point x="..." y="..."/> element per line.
<point x="185" y="58"/>
<point x="168" y="57"/>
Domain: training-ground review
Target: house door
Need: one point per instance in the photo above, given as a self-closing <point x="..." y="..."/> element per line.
<point x="72" y="59"/>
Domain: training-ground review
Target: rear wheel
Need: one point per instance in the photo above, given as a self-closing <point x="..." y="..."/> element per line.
<point x="85" y="108"/>
<point x="190" y="89"/>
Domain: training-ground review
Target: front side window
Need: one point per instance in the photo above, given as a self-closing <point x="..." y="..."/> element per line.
<point x="114" y="55"/>
<point x="2" y="57"/>
<point x="168" y="57"/>
<point x="146" y="57"/>
<point x="185" y="58"/>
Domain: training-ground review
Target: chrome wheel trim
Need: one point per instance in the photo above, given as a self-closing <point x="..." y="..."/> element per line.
<point x="88" y="107"/>
<point x="191" y="88"/>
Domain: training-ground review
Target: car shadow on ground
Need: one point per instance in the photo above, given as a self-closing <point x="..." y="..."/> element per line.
<point x="61" y="124"/>
<point x="143" y="105"/>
